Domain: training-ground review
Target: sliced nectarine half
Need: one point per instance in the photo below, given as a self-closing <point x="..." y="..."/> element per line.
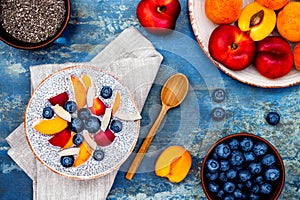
<point x="258" y="20"/>
<point x="173" y="163"/>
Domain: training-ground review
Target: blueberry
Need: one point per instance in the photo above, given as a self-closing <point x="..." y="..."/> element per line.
<point x="106" y="92"/>
<point x="273" y="118"/>
<point x="221" y="194"/>
<point x="48" y="113"/>
<point x="237" y="193"/>
<point x="224" y="165"/>
<point x="76" y="125"/>
<point x="84" y="114"/>
<point x="116" y="126"/>
<point x="223" y="177"/>
<point x="237" y="158"/>
<point x="231" y="173"/>
<point x="229" y="197"/>
<point x="244" y="175"/>
<point x="246" y="144"/>
<point x="212" y="165"/>
<point x="260" y="148"/>
<point x="229" y="187"/>
<point x="213" y="187"/>
<point x="249" y="156"/>
<point x="259" y="180"/>
<point x="98" y="155"/>
<point x="254" y="197"/>
<point x="255" y="189"/>
<point x="272" y="174"/>
<point x="218" y="114"/>
<point x="212" y="176"/>
<point x="67" y="161"/>
<point x="77" y="139"/>
<point x="249" y="184"/>
<point x="268" y="160"/>
<point x="255" y="168"/>
<point x="92" y="124"/>
<point x="266" y="188"/>
<point x="218" y="95"/>
<point x="222" y="150"/>
<point x="70" y="106"/>
<point x="234" y="144"/>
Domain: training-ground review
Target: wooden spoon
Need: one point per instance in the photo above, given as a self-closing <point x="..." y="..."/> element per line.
<point x="172" y="94"/>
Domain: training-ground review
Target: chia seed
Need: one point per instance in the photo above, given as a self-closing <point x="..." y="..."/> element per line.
<point x="32" y="21"/>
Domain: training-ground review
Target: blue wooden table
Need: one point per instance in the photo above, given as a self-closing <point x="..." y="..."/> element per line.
<point x="93" y="24"/>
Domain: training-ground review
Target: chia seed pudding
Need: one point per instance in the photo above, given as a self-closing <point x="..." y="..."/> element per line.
<point x="32" y="21"/>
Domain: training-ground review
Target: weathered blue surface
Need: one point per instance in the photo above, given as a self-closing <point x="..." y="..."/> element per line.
<point x="93" y="24"/>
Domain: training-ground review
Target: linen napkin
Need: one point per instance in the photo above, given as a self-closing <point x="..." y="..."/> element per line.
<point x="130" y="57"/>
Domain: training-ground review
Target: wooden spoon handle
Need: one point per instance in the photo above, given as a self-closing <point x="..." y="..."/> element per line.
<point x="146" y="143"/>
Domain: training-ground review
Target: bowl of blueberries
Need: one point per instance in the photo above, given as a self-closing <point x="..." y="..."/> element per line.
<point x="242" y="166"/>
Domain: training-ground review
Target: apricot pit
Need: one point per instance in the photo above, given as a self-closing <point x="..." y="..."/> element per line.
<point x="173" y="163"/>
<point x="258" y="20"/>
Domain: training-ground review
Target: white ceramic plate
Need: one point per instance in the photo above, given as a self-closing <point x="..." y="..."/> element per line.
<point x="115" y="154"/>
<point x="203" y="27"/>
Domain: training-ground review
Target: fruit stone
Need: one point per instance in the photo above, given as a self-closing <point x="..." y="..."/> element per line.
<point x="258" y="20"/>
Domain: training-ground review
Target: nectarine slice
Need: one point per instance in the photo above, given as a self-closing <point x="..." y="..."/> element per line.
<point x="85" y="153"/>
<point x="80" y="91"/>
<point x="173" y="163"/>
<point x="50" y="126"/>
<point x="258" y="20"/>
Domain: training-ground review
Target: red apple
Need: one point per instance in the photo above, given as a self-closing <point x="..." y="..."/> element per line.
<point x="104" y="138"/>
<point x="274" y="57"/>
<point x="231" y="47"/>
<point x="161" y="14"/>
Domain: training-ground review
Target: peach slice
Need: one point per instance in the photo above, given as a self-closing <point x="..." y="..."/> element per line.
<point x="173" y="163"/>
<point x="80" y="91"/>
<point x="87" y="81"/>
<point x="258" y="20"/>
<point x="117" y="103"/>
<point x="70" y="141"/>
<point x="50" y="126"/>
<point x="84" y="154"/>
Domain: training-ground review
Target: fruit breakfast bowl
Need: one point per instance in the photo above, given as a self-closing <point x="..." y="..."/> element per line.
<point x="242" y="166"/>
<point x="203" y="28"/>
<point x="81" y="122"/>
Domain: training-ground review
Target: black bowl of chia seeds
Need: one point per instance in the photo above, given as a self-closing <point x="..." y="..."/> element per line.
<point x="32" y="24"/>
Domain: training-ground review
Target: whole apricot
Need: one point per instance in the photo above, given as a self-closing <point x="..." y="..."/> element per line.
<point x="297" y="56"/>
<point x="273" y="4"/>
<point x="173" y="163"/>
<point x="288" y="22"/>
<point x="223" y="12"/>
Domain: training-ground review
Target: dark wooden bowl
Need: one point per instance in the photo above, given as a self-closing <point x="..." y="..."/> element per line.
<point x="271" y="149"/>
<point x="10" y="40"/>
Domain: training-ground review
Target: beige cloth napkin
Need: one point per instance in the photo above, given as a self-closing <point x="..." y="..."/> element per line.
<point x="133" y="59"/>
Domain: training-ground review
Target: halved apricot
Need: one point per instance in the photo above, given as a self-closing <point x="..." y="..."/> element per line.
<point x="258" y="20"/>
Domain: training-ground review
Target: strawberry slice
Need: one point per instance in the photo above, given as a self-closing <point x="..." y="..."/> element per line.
<point x="59" y="99"/>
<point x="98" y="107"/>
<point x="60" y="139"/>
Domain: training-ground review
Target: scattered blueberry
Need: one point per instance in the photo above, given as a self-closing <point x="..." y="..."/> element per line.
<point x="260" y="148"/>
<point x="221" y="194"/>
<point x="254" y="197"/>
<point x="98" y="155"/>
<point x="255" y="168"/>
<point x="237" y="158"/>
<point x="273" y="118"/>
<point x="218" y="95"/>
<point x="255" y="189"/>
<point x="249" y="156"/>
<point x="223" y="177"/>
<point x="229" y="187"/>
<point x="259" y="180"/>
<point x="222" y="150"/>
<point x="76" y="125"/>
<point x="266" y="188"/>
<point x="212" y="176"/>
<point x="106" y="92"/>
<point x="268" y="160"/>
<point x="67" y="161"/>
<point x="229" y="197"/>
<point x="272" y="174"/>
<point x="116" y="126"/>
<point x="246" y="144"/>
<point x="84" y="113"/>
<point x="218" y="114"/>
<point x="244" y="175"/>
<point x="48" y="113"/>
<point x="231" y="173"/>
<point x="234" y="144"/>
<point x="70" y="106"/>
<point x="237" y="193"/>
<point x="77" y="139"/>
<point x="92" y="124"/>
<point x="212" y="165"/>
<point x="213" y="187"/>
